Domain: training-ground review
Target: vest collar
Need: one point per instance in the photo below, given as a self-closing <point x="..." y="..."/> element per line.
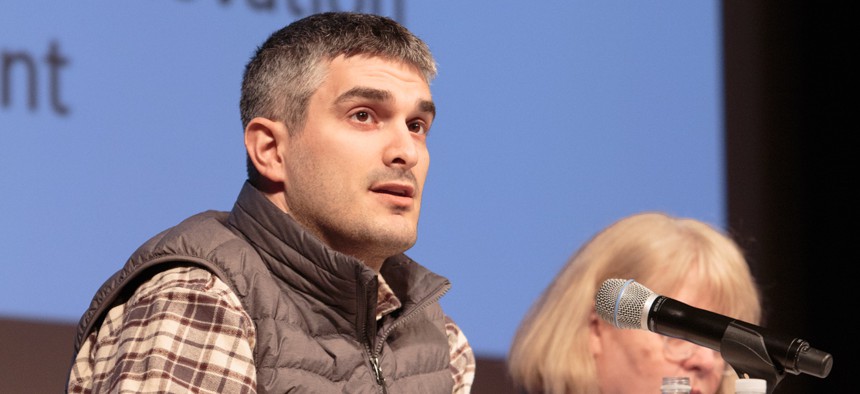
<point x="341" y="281"/>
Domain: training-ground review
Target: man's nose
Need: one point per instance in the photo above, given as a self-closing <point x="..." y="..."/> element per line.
<point x="402" y="149"/>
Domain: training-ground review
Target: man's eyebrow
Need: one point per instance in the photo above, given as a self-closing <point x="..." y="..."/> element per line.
<point x="364" y="92"/>
<point x="427" y="106"/>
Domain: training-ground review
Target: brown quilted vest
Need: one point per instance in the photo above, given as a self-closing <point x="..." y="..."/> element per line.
<point x="313" y="307"/>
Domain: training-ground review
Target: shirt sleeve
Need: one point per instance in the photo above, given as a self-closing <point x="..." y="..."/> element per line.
<point x="462" y="358"/>
<point x="183" y="330"/>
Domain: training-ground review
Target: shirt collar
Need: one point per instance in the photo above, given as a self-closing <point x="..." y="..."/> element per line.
<point x="386" y="302"/>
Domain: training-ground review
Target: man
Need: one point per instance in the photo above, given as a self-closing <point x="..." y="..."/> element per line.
<point x="303" y="286"/>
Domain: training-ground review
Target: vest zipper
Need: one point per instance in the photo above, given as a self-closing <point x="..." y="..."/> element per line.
<point x="372" y="353"/>
<point x="377" y="371"/>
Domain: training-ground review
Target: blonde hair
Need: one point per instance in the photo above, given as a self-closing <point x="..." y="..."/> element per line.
<point x="550" y="352"/>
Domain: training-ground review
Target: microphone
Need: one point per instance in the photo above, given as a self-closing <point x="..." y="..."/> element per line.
<point x="627" y="304"/>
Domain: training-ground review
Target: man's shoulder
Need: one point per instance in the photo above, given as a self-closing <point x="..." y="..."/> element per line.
<point x="206" y="220"/>
<point x="196" y="235"/>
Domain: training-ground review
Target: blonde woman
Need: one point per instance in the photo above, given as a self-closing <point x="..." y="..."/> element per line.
<point x="562" y="346"/>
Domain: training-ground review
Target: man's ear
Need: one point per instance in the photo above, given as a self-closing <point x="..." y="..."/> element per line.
<point x="264" y="140"/>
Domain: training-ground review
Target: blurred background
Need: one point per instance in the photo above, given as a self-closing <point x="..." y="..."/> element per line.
<point x="120" y="119"/>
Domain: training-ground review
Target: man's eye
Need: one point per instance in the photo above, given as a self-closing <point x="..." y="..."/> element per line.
<point x="361" y="116"/>
<point x="417" y="127"/>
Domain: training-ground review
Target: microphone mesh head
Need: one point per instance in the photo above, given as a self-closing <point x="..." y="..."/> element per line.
<point x="621" y="302"/>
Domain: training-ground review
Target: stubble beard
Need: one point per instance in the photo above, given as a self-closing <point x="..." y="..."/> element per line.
<point x="356" y="233"/>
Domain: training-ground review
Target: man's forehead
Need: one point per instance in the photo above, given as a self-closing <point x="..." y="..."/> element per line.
<point x="369" y="64"/>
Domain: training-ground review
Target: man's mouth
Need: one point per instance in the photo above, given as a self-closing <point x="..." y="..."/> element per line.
<point x="396" y="189"/>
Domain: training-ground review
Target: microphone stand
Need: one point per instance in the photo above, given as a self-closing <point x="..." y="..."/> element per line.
<point x="745" y="351"/>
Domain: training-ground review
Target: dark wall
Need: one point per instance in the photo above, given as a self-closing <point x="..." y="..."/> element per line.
<point x="788" y="179"/>
<point x="34" y="356"/>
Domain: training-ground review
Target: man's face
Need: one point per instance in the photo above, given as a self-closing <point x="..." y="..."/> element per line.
<point x="355" y="174"/>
